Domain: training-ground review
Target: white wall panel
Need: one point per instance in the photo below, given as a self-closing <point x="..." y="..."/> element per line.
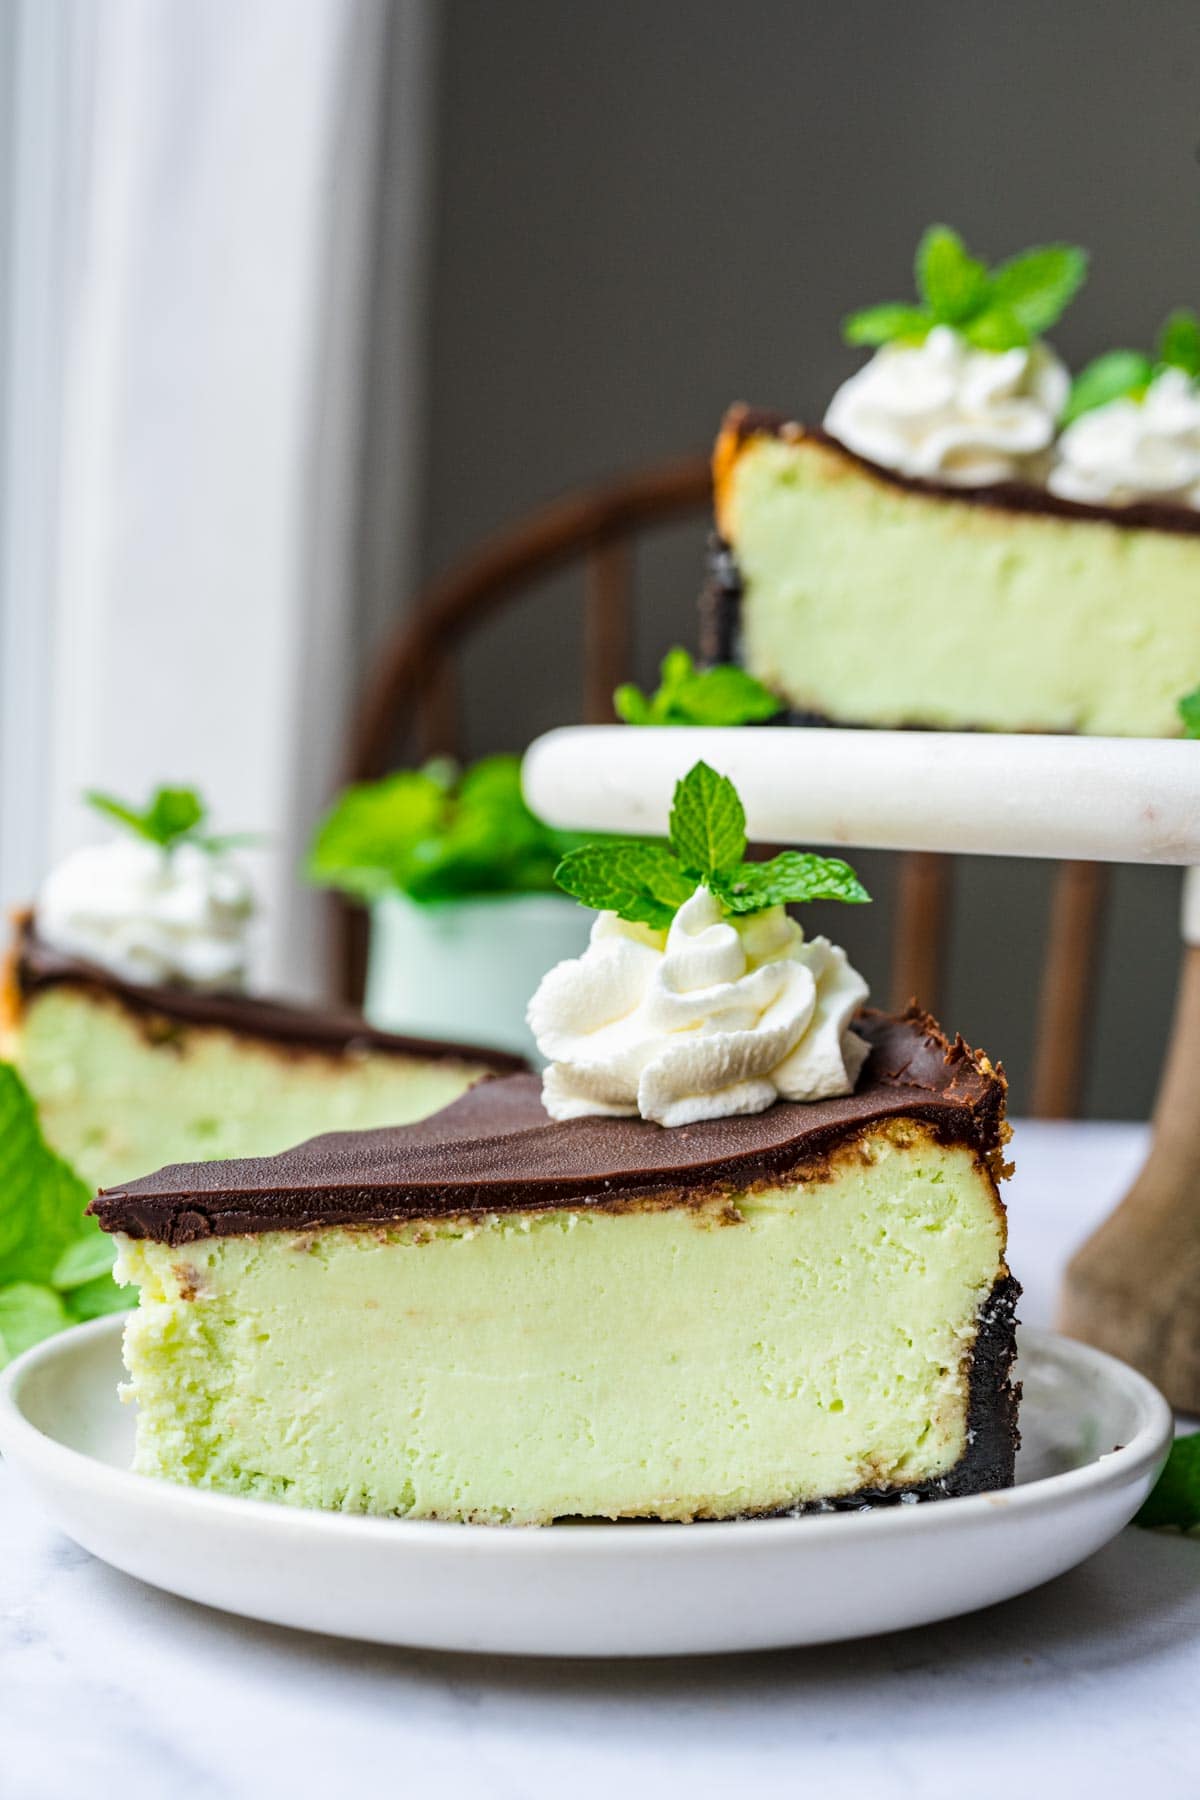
<point x="200" y="613"/>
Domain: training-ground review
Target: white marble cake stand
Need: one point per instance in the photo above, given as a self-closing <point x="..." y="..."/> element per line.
<point x="1134" y="1288"/>
<point x="982" y="794"/>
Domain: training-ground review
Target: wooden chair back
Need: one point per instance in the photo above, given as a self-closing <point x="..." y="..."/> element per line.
<point x="409" y="711"/>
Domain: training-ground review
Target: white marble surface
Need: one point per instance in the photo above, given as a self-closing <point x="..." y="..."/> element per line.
<point x="1087" y="1687"/>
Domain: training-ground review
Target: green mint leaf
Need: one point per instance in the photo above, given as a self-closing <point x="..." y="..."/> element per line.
<point x="436" y="836"/>
<point x="656" y="708"/>
<point x="173" y="813"/>
<point x="1175" y="1498"/>
<point x="365" y="843"/>
<point x="169" y="816"/>
<point x="998" y="310"/>
<point x="1037" y="287"/>
<point x="890" y="323"/>
<point x="708" y="823"/>
<point x="676" y="668"/>
<point x="94" y="1299"/>
<point x="662" y="707"/>
<point x="953" y="285"/>
<point x="487" y="841"/>
<point x="1116" y="375"/>
<point x="493" y="782"/>
<point x="631" y="705"/>
<point x="648" y="883"/>
<point x="795" y="875"/>
<point x="29" y="1312"/>
<point x="1188" y="708"/>
<point x="1179" y="342"/>
<point x="723" y="695"/>
<point x="996" y="328"/>
<point x="638" y="881"/>
<point x="111" y="808"/>
<point x="1126" y="374"/>
<point x="46" y="1242"/>
<point x="84" y="1260"/>
<point x="43" y="1200"/>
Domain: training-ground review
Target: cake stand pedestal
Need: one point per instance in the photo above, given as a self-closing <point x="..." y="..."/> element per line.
<point x="1134" y="1288"/>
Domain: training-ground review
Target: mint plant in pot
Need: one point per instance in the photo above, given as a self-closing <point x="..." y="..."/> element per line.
<point x="458" y="875"/>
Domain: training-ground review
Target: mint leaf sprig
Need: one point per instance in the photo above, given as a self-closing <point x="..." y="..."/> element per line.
<point x="646" y="883"/>
<point x="1126" y="374"/>
<point x="55" y="1264"/>
<point x="1188" y="708"/>
<point x="171" y="816"/>
<point x="722" y="695"/>
<point x="1003" y="308"/>
<point x="1174" y="1500"/>
<point x="434" y="835"/>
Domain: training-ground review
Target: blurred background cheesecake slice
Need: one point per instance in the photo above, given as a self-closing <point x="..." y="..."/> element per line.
<point x="130" y="1076"/>
<point x="863" y="596"/>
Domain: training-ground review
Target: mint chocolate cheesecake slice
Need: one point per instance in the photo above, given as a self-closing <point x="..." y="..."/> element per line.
<point x="128" y="1076"/>
<point x="493" y="1316"/>
<point x="973" y="540"/>
<point x="862" y="596"/>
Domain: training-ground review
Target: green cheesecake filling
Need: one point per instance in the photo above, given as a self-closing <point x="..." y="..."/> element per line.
<point x="869" y="603"/>
<point x="118" y="1097"/>
<point x="671" y="1358"/>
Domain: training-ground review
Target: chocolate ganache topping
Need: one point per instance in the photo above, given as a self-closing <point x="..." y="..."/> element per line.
<point x="36" y="966"/>
<point x="497" y="1150"/>
<point x="742" y="423"/>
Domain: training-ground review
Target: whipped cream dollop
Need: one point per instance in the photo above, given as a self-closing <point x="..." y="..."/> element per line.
<point x="948" y="412"/>
<point x="1130" y="450"/>
<point x="710" y="1018"/>
<point x="176" y="917"/>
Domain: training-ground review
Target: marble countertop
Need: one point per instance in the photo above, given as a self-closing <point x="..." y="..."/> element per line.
<point x="1089" y="1685"/>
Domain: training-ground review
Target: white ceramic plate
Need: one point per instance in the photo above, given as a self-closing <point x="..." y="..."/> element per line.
<point x="1095" y="1435"/>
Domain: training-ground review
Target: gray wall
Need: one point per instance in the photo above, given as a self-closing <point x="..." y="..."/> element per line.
<point x="648" y="208"/>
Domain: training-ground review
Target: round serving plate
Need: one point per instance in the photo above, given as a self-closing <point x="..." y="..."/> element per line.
<point x="1095" y="1436"/>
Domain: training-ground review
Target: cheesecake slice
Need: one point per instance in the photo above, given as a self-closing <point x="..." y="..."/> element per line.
<point x="493" y="1317"/>
<point x="128" y="1077"/>
<point x="861" y="596"/>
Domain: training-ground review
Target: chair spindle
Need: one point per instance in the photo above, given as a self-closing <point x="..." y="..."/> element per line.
<point x="922" y="906"/>
<point x="1069" y="962"/>
<point x="607" y="628"/>
<point x="437" y="711"/>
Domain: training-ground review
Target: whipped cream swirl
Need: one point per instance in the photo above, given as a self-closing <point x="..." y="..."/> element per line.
<point x="947" y="412"/>
<point x="711" y="1018"/>
<point x="1131" y="450"/>
<point x="176" y="917"/>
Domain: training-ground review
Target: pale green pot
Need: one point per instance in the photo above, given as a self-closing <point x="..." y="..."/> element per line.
<point x="466" y="969"/>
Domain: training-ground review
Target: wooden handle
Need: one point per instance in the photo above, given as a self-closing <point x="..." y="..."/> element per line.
<point x="1134" y="1287"/>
